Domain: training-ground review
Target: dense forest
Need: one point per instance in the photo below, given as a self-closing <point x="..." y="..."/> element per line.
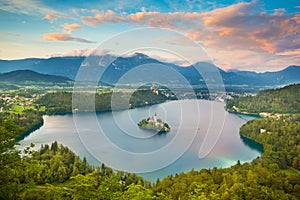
<point x="26" y="122"/>
<point x="54" y="172"/>
<point x="280" y="137"/>
<point x="282" y="100"/>
<point x="274" y="175"/>
<point x="61" y="102"/>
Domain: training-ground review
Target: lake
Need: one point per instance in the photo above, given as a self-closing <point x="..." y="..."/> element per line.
<point x="203" y="135"/>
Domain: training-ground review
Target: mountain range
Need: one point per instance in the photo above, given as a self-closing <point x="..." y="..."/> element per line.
<point x="69" y="66"/>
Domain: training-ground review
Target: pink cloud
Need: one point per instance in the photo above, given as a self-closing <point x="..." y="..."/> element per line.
<point x="240" y="56"/>
<point x="288" y="53"/>
<point x="52" y="16"/>
<point x="102" y="17"/>
<point x="68" y="28"/>
<point x="279" y="11"/>
<point x="91" y="21"/>
<point x="243" y="26"/>
<point x="63" y="37"/>
<point x="71" y="27"/>
<point x="238" y="26"/>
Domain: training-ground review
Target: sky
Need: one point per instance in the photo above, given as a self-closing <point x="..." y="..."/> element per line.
<point x="255" y="35"/>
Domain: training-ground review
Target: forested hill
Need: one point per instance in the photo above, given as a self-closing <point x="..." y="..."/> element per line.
<point x="282" y="100"/>
<point x="29" y="77"/>
<point x="54" y="172"/>
<point x="61" y="102"/>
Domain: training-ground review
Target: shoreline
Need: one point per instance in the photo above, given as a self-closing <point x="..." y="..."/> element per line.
<point x="248" y="140"/>
<point x="244" y="113"/>
<point x="31" y="130"/>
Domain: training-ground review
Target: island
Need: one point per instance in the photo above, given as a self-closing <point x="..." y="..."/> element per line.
<point x="154" y="124"/>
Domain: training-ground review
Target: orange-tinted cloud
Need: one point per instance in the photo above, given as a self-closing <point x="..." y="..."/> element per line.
<point x="52" y="16"/>
<point x="102" y="17"/>
<point x="242" y="27"/>
<point x="71" y="27"/>
<point x="63" y="37"/>
<point x="288" y="53"/>
<point x="239" y="26"/>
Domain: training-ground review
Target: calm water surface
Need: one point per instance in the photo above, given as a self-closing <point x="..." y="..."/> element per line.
<point x="203" y="135"/>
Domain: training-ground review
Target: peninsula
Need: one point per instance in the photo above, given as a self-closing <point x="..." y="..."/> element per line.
<point x="155" y="124"/>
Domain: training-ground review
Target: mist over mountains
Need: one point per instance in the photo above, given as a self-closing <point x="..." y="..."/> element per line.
<point x="69" y="66"/>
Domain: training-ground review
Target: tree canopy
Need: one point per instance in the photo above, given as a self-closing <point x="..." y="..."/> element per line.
<point x="55" y="172"/>
<point x="281" y="100"/>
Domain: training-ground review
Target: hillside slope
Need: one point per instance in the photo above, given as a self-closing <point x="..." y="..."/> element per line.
<point x="28" y="76"/>
<point x="282" y="100"/>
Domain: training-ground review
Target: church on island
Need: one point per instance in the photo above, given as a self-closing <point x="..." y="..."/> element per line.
<point x="155" y="124"/>
<point x="153" y="119"/>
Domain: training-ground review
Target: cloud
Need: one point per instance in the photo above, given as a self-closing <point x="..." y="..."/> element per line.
<point x="240" y="26"/>
<point x="52" y="17"/>
<point x="153" y="19"/>
<point x="102" y="17"/>
<point x="33" y="8"/>
<point x="288" y="53"/>
<point x="64" y="37"/>
<point x="71" y="26"/>
<point x="9" y="34"/>
<point x="266" y="39"/>
<point x="82" y="52"/>
<point x="28" y="7"/>
<point x="68" y="28"/>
